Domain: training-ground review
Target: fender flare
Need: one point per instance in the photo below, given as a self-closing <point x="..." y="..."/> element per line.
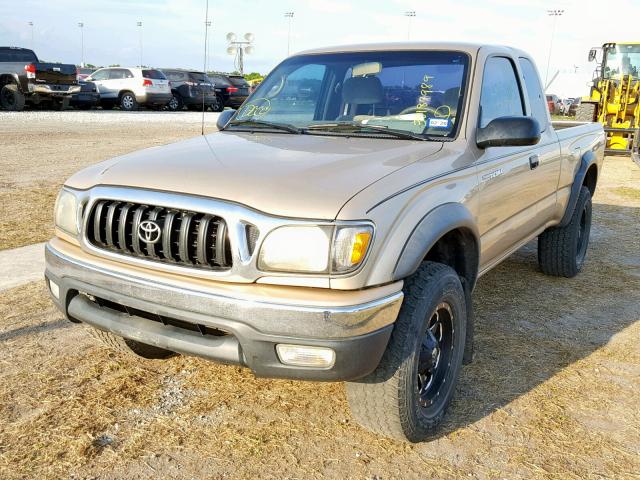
<point x="587" y="160"/>
<point x="14" y="77"/>
<point x="433" y="226"/>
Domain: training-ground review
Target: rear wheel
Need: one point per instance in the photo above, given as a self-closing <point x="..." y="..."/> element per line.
<point x="219" y="105"/>
<point x="11" y="98"/>
<point x="176" y="103"/>
<point x="130" y="347"/>
<point x="562" y="250"/>
<point x="586" y="112"/>
<point x="128" y="102"/>
<point x="407" y="395"/>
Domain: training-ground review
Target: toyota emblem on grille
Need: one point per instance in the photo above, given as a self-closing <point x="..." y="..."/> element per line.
<point x="149" y="231"/>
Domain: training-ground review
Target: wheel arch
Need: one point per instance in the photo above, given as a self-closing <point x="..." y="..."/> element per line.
<point x="587" y="176"/>
<point x="447" y="234"/>
<point x="8" y="78"/>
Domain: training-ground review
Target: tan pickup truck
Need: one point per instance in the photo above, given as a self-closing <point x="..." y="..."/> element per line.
<point x="335" y="227"/>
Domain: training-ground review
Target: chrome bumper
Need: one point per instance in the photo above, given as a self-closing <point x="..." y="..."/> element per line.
<point x="49" y="90"/>
<point x="357" y="333"/>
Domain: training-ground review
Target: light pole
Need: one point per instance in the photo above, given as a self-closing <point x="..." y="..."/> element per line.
<point x="139" y="24"/>
<point x="410" y="14"/>
<point x="31" y="25"/>
<point x="207" y="35"/>
<point x="81" y="25"/>
<point x="289" y="15"/>
<point x="240" y="48"/>
<point x="555" y="14"/>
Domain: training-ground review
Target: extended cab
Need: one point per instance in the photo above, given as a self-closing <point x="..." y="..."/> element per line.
<point x="24" y="79"/>
<point x="335" y="228"/>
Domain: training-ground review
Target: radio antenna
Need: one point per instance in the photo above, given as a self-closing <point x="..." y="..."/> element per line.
<point x="206" y="43"/>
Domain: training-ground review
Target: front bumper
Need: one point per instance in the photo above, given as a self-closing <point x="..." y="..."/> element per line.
<point x="247" y="330"/>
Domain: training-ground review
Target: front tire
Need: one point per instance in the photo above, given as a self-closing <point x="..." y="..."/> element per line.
<point x="11" y="98"/>
<point x="128" y="102"/>
<point x="586" y="112"/>
<point x="407" y="395"/>
<point x="562" y="250"/>
<point x="130" y="347"/>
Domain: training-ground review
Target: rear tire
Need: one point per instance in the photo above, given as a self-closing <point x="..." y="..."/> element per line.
<point x="407" y="395"/>
<point x="586" y="112"/>
<point x="11" y="98"/>
<point x="130" y="347"/>
<point x="562" y="250"/>
<point x="128" y="102"/>
<point x="219" y="105"/>
<point x="176" y="104"/>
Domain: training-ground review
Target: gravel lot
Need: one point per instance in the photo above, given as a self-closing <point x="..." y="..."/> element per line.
<point x="554" y="391"/>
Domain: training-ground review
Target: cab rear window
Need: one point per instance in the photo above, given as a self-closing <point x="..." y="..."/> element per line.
<point x="153" y="74"/>
<point x="10" y="55"/>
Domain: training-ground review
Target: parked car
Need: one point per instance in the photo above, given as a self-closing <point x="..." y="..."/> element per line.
<point x="129" y="88"/>
<point x="87" y="98"/>
<point x="554" y="104"/>
<point x="232" y="89"/>
<point x="83" y="73"/>
<point x="337" y="239"/>
<point x="191" y="89"/>
<point x="26" y="80"/>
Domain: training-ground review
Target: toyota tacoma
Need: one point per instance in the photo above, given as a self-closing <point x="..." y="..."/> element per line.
<point x="336" y="225"/>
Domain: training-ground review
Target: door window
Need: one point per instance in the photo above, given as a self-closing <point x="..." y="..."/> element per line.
<point x="100" y="75"/>
<point x="534" y="91"/>
<point x="500" y="96"/>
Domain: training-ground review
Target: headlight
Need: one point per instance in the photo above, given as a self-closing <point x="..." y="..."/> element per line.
<point x="296" y="249"/>
<point x="66" y="212"/>
<point x="315" y="249"/>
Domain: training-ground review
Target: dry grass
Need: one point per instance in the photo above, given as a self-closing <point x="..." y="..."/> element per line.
<point x="554" y="391"/>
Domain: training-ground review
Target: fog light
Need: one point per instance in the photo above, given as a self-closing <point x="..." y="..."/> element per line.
<point x="55" y="289"/>
<point x="306" y="356"/>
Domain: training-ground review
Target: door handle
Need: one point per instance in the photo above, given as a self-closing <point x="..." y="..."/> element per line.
<point x="534" y="161"/>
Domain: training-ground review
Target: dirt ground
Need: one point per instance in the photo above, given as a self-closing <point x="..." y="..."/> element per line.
<point x="554" y="391"/>
<point x="39" y="150"/>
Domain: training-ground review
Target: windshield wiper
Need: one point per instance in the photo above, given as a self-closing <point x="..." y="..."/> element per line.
<point x="360" y="127"/>
<point x="262" y="124"/>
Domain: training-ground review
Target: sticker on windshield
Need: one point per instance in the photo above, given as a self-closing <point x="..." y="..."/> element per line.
<point x="438" y="123"/>
<point x="256" y="108"/>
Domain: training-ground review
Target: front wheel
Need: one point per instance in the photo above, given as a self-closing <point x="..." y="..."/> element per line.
<point x="407" y="395"/>
<point x="175" y="104"/>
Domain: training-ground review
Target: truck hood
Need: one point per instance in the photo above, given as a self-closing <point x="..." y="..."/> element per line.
<point x="302" y="176"/>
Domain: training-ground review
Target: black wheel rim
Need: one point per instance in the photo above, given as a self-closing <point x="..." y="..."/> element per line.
<point x="583" y="235"/>
<point x="436" y="352"/>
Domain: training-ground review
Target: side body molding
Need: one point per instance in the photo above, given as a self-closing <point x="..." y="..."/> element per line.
<point x="588" y="159"/>
<point x="433" y="226"/>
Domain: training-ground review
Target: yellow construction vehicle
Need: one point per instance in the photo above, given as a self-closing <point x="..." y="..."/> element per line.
<point x="614" y="99"/>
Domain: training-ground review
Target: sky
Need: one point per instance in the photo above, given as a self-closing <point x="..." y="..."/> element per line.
<point x="173" y="30"/>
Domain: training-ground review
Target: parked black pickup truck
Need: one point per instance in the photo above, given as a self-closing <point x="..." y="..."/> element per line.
<point x="24" y="79"/>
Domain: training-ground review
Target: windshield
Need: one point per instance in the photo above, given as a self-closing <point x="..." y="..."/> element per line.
<point x="622" y="60"/>
<point x="415" y="92"/>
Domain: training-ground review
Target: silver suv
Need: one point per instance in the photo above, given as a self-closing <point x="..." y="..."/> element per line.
<point x="129" y="88"/>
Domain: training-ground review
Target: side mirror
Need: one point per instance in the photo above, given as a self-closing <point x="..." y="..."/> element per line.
<point x="592" y="54"/>
<point x="224" y="118"/>
<point x="509" y="132"/>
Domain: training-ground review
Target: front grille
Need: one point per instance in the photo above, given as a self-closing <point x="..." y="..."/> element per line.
<point x="186" y="238"/>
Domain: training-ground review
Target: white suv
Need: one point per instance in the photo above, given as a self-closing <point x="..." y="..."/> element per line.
<point x="130" y="87"/>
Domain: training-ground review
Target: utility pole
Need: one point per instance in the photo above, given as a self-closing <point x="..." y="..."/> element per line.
<point x="140" y="27"/>
<point x="31" y="25"/>
<point x="239" y="48"/>
<point x="555" y="14"/>
<point x="410" y="14"/>
<point x="81" y="25"/>
<point x="289" y="15"/>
